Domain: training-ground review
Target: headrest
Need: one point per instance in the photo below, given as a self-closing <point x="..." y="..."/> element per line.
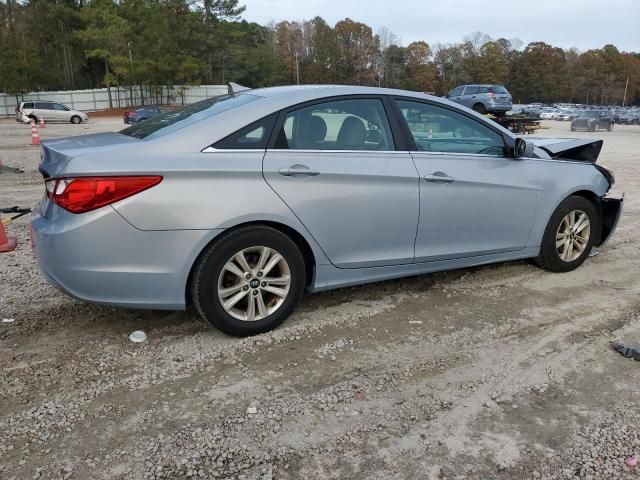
<point x="315" y="129"/>
<point x="352" y="133"/>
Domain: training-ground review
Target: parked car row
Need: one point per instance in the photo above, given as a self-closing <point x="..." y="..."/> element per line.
<point x="569" y="112"/>
<point x="26" y="112"/>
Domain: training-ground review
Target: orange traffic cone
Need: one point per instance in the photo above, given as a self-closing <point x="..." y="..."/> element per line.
<point x="35" y="137"/>
<point x="42" y="124"/>
<point x="7" y="244"/>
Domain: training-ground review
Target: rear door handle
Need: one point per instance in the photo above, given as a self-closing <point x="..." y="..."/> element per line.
<point x="295" y="170"/>
<point x="439" y="177"/>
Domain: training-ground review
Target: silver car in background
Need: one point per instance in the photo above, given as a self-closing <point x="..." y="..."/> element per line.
<point x="49" y="111"/>
<point x="483" y="98"/>
<point x="239" y="203"/>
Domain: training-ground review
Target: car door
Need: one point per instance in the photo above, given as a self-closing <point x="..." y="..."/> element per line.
<point x="334" y="163"/>
<point x="455" y="95"/>
<point x="474" y="200"/>
<point x="41" y="109"/>
<point x="60" y="113"/>
<point x="469" y="96"/>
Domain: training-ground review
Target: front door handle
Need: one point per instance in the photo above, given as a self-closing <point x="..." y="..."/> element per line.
<point x="439" y="177"/>
<point x="295" y="170"/>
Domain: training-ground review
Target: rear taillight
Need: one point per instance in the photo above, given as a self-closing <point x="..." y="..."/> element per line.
<point x="83" y="194"/>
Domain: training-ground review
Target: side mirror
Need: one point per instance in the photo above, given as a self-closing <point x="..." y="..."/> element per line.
<point x="522" y="148"/>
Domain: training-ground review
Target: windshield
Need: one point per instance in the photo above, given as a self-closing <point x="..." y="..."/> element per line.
<point x="498" y="89"/>
<point x="187" y="115"/>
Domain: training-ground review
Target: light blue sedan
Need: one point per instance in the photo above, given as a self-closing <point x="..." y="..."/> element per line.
<point x="239" y="203"/>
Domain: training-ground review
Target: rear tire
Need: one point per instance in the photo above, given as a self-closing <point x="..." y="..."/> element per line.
<point x="76" y="120"/>
<point x="480" y="108"/>
<point x="219" y="277"/>
<point x="555" y="243"/>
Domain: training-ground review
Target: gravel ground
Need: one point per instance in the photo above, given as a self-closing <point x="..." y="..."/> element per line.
<point x="501" y="372"/>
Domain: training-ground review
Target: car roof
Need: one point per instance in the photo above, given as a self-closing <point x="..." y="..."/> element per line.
<point x="322" y="91"/>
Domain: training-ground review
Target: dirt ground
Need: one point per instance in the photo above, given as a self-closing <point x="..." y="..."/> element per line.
<point x="498" y="372"/>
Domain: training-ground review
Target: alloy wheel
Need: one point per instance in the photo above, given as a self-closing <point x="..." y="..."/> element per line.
<point x="573" y="235"/>
<point x="254" y="283"/>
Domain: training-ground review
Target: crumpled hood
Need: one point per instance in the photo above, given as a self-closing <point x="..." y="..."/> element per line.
<point x="569" y="148"/>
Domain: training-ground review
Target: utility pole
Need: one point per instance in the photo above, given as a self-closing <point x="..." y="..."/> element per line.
<point x="624" y="99"/>
<point x="133" y="76"/>
<point x="297" y="70"/>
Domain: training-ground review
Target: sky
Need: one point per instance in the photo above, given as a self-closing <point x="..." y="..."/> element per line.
<point x="584" y="24"/>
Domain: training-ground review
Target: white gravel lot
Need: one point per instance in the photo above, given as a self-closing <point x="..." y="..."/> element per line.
<point x="501" y="372"/>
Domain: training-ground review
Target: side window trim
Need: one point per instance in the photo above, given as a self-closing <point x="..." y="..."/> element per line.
<point x="409" y="136"/>
<point x="282" y="115"/>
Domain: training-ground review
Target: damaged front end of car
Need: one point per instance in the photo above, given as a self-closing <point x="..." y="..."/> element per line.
<point x="571" y="149"/>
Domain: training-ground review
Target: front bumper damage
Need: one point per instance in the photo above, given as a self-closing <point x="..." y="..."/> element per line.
<point x="611" y="211"/>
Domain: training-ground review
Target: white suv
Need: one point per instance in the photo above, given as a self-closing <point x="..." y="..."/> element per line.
<point x="50" y="111"/>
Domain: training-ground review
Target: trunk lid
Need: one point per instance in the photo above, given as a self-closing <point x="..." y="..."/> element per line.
<point x="57" y="153"/>
<point x="570" y="148"/>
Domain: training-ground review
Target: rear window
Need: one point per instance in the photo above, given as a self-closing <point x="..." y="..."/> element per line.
<point x="187" y="115"/>
<point x="498" y="89"/>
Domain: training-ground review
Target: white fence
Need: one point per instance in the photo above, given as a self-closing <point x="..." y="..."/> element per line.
<point x="98" y="99"/>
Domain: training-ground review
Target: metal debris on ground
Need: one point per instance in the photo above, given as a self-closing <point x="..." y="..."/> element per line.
<point x="415" y="322"/>
<point x="8" y="320"/>
<point x="252" y="410"/>
<point x="628" y="348"/>
<point x="138" y="336"/>
<point x="6" y="169"/>
<point x="594" y="254"/>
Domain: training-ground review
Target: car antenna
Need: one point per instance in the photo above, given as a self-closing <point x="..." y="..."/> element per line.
<point x="235" y="88"/>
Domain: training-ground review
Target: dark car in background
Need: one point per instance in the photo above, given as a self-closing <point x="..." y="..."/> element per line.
<point x="592" y="120"/>
<point x="142" y="114"/>
<point x="483" y="98"/>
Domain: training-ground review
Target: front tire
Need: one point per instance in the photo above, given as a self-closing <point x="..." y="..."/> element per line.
<point x="249" y="281"/>
<point x="76" y="120"/>
<point x="569" y="235"/>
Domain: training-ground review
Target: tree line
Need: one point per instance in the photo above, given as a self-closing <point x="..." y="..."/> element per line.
<point x="75" y="44"/>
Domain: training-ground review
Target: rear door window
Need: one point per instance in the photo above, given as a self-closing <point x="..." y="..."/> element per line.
<point x="350" y="124"/>
<point x="471" y="90"/>
<point x="44" y="106"/>
<point x="483" y="89"/>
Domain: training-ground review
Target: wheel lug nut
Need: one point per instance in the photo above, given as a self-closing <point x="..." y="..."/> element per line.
<point x="247" y="276"/>
<point x="264" y="284"/>
<point x="259" y="274"/>
<point x="245" y="288"/>
<point x="255" y="292"/>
